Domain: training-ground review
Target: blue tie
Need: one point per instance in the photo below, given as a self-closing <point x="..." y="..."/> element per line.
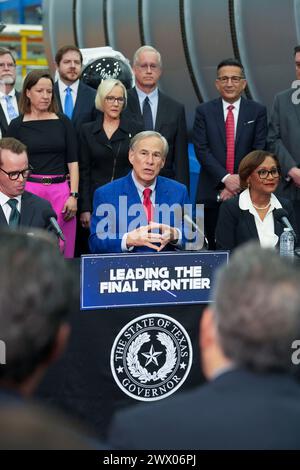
<point x="69" y="106"/>
<point x="147" y="115"/>
<point x="14" y="217"/>
<point x="12" y="114"/>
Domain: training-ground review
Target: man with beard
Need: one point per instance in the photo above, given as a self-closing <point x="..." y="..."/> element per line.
<point x="75" y="99"/>
<point x="8" y="95"/>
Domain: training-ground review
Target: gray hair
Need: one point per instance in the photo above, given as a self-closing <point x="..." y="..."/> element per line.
<point x="36" y="294"/>
<point x="146" y="49"/>
<point x="145" y="135"/>
<point x="105" y="88"/>
<point x="257" y="308"/>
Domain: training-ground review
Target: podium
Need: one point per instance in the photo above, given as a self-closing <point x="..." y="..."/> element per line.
<point x="133" y="340"/>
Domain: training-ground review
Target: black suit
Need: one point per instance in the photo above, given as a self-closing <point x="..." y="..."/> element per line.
<point x="3" y="121"/>
<point x="84" y="109"/>
<point x="237" y="410"/>
<point x="171" y="123"/>
<point x="209" y="137"/>
<point x="32" y="212"/>
<point x="236" y="226"/>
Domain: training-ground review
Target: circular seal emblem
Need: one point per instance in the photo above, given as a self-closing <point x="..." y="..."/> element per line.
<point x="151" y="357"/>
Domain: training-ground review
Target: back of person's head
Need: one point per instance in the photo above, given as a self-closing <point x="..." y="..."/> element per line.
<point x="36" y="294"/>
<point x="257" y="308"/>
<point x="32" y="427"/>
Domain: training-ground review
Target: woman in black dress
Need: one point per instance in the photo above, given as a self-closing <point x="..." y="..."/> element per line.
<point x="52" y="150"/>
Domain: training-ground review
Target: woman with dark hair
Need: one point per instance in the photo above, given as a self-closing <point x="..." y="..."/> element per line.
<point x="52" y="151"/>
<point x="250" y="214"/>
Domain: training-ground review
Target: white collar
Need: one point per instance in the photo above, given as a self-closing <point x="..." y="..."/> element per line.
<point x="140" y="187"/>
<point x="142" y="95"/>
<point x="246" y="204"/>
<point x="4" y="198"/>
<point x="12" y="93"/>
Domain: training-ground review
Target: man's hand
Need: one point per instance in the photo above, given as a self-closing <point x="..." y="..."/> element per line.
<point x="143" y="236"/>
<point x="85" y="219"/>
<point x="232" y="183"/>
<point x="225" y="194"/>
<point x="294" y="173"/>
<point x="70" y="208"/>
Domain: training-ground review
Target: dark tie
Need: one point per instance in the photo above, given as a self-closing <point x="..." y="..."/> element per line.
<point x="147" y="115"/>
<point x="229" y="125"/>
<point x="14" y="217"/>
<point x="148" y="204"/>
<point x="69" y="105"/>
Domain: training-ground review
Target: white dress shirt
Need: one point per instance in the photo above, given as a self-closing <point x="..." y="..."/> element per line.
<point x="62" y="91"/>
<point x="5" y="207"/>
<point x="265" y="228"/>
<point x="235" y="111"/>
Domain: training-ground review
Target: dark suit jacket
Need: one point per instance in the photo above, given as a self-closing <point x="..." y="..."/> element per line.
<point x="284" y="137"/>
<point x="32" y="212"/>
<point x="3" y="121"/>
<point x="120" y="220"/>
<point x="171" y="123"/>
<point x="209" y="137"/>
<point x="102" y="160"/>
<point x="237" y="410"/>
<point x="236" y="226"/>
<point x="84" y="110"/>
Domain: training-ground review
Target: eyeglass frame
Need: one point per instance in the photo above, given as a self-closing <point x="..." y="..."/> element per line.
<point x="236" y="79"/>
<point x="268" y="172"/>
<point x="11" y="65"/>
<point x="112" y="99"/>
<point x="9" y="173"/>
<point x="145" y="67"/>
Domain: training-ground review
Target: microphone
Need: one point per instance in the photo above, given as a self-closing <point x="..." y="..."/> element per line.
<point x="196" y="227"/>
<point x="50" y="215"/>
<point x="282" y="216"/>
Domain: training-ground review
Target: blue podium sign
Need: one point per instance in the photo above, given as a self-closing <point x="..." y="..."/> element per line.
<point x="148" y="279"/>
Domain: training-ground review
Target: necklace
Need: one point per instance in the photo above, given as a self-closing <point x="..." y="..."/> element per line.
<point x="260" y="208"/>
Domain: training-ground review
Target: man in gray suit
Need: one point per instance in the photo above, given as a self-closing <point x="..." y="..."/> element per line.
<point x="19" y="207"/>
<point x="284" y="140"/>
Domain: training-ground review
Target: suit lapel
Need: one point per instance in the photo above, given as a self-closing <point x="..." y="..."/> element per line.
<point x="27" y="211"/>
<point x="296" y="107"/>
<point x="219" y="116"/>
<point x="3" y="121"/>
<point x="134" y="104"/>
<point x="80" y="100"/>
<point x="161" y="112"/>
<point x="251" y="226"/>
<point x="133" y="198"/>
<point x="56" y="90"/>
<point x="3" y="221"/>
<point x="242" y="118"/>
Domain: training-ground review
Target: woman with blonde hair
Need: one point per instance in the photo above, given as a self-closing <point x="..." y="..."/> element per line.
<point x="104" y="144"/>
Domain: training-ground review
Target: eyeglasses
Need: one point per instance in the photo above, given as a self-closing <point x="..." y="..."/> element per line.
<point x="145" y="67"/>
<point x="11" y="65"/>
<point x="113" y="99"/>
<point x="235" y="79"/>
<point x="263" y="174"/>
<point x="14" y="175"/>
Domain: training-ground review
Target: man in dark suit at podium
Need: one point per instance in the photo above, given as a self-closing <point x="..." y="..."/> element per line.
<point x="8" y="95"/>
<point x="141" y="211"/>
<point x="251" y="401"/>
<point x="225" y="130"/>
<point x="157" y="111"/>
<point x="19" y="207"/>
